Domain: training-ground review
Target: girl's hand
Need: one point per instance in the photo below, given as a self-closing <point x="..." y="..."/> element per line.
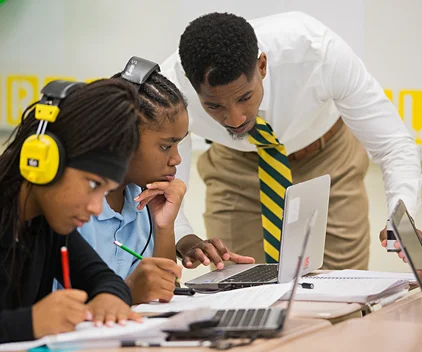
<point x="58" y="312"/>
<point x="164" y="200"/>
<point x="109" y="309"/>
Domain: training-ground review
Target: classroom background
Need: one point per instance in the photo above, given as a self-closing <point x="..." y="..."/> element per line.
<point x="41" y="40"/>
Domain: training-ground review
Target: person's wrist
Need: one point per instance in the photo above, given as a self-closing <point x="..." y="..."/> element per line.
<point x="164" y="231"/>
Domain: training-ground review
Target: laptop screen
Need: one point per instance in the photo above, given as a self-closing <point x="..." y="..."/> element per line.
<point x="408" y="237"/>
<point x="298" y="273"/>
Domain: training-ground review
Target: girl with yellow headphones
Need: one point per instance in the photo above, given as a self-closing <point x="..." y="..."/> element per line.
<point x="53" y="177"/>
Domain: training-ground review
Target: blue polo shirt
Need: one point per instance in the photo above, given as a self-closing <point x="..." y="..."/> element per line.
<point x="131" y="227"/>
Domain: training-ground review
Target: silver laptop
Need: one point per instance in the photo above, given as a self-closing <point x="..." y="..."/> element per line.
<point x="405" y="231"/>
<point x="253" y="323"/>
<point x="300" y="201"/>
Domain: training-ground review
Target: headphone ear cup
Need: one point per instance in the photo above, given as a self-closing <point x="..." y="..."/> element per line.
<point x="62" y="157"/>
<point x="42" y="159"/>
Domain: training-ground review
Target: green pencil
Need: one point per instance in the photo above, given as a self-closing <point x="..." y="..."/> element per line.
<point x="122" y="246"/>
<point x="117" y="243"/>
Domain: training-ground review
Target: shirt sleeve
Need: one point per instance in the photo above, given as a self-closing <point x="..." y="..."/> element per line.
<point x="171" y="68"/>
<point x="182" y="226"/>
<point x="88" y="271"/>
<point x="374" y="121"/>
<point x="16" y="325"/>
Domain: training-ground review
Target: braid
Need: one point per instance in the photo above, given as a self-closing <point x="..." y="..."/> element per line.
<point x="156" y="95"/>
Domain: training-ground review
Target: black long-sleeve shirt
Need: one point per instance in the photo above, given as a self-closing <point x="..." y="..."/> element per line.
<point x="41" y="260"/>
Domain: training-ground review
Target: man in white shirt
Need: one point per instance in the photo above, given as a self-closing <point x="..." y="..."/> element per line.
<point x="316" y="95"/>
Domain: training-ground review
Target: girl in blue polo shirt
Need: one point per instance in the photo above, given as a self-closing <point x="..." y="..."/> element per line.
<point x="147" y="230"/>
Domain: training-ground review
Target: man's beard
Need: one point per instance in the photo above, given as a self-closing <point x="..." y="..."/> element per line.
<point x="238" y="137"/>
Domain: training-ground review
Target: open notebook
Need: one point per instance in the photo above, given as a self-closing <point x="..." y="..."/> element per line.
<point x="86" y="332"/>
<point x="350" y="289"/>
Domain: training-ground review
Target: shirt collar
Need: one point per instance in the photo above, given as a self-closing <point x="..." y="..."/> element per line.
<point x="129" y="210"/>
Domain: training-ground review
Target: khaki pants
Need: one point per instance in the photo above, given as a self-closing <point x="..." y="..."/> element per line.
<point x="233" y="208"/>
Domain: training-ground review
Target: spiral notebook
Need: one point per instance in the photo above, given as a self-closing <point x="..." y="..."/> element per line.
<point x="369" y="274"/>
<point x="350" y="289"/>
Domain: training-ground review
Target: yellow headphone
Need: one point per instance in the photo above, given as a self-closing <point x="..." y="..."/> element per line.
<point x="43" y="157"/>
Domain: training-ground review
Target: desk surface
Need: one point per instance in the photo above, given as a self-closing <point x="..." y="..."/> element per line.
<point x="408" y="309"/>
<point x="393" y="328"/>
<point x="363" y="335"/>
<point x="295" y="328"/>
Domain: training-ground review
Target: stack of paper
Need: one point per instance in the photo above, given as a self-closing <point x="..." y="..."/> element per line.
<point x="348" y="289"/>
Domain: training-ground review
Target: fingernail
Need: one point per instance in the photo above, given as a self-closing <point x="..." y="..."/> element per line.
<point x="148" y="185"/>
<point x="139" y="320"/>
<point x="88" y="316"/>
<point x="136" y="199"/>
<point x="98" y="323"/>
<point x="110" y="323"/>
<point x="220" y="266"/>
<point x="122" y="322"/>
<point x="226" y="256"/>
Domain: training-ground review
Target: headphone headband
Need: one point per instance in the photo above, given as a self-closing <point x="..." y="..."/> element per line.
<point x="138" y="70"/>
<point x="55" y="91"/>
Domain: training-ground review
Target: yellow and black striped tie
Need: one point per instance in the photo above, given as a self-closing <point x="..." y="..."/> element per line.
<point x="274" y="177"/>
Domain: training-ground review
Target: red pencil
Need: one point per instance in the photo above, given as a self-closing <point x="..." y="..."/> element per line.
<point x="65" y="268"/>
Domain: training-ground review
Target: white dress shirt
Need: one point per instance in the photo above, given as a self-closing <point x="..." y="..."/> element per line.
<point x="313" y="77"/>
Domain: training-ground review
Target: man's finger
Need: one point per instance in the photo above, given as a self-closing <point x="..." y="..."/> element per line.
<point x="221" y="248"/>
<point x="189" y="262"/>
<point x="211" y="252"/>
<point x="199" y="255"/>
<point x="384" y="243"/>
<point x="383" y="234"/>
<point x="241" y="259"/>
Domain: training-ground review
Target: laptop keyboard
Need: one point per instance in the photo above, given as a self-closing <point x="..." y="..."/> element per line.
<point x="259" y="273"/>
<point x="242" y="318"/>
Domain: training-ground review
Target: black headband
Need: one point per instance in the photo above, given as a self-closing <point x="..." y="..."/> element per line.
<point x="102" y="163"/>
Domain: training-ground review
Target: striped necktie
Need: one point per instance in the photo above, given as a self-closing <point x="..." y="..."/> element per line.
<point x="274" y="177"/>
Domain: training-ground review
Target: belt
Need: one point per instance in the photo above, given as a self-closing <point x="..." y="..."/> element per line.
<point x="318" y="144"/>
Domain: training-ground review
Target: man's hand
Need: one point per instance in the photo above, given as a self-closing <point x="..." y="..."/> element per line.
<point x="58" y="312"/>
<point x="383" y="239"/>
<point x="164" y="200"/>
<point x="107" y="308"/>
<point x="153" y="278"/>
<point x="196" y="251"/>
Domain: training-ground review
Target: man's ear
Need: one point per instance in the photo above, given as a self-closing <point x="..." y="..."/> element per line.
<point x="262" y="65"/>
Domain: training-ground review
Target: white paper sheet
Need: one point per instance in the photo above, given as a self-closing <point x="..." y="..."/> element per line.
<point x="251" y="297"/>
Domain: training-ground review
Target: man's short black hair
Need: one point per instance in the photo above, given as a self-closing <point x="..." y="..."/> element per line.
<point x="219" y="47"/>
